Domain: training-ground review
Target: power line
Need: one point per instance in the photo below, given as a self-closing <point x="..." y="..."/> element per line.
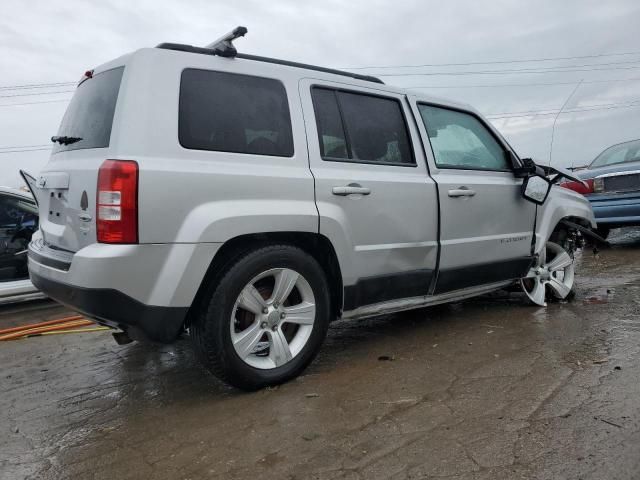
<point x="503" y="72"/>
<point x="35" y="93"/>
<point x="574" y="110"/>
<point x="555" y="110"/>
<point x="498" y="85"/>
<point x="494" y="62"/>
<point x="29" y="150"/>
<point x="34" y="103"/>
<point x="28" y="86"/>
<point x="549" y="111"/>
<point x="566" y="66"/>
<point x="26" y="146"/>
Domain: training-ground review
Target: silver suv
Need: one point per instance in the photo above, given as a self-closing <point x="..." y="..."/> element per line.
<point x="251" y="201"/>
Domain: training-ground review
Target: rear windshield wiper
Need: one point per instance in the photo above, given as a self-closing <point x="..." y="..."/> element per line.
<point x="65" y="140"/>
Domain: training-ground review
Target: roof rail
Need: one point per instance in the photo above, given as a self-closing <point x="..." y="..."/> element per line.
<point x="366" y="78"/>
<point x="223" y="47"/>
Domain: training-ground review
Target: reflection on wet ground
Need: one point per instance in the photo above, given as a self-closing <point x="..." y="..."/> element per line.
<point x="482" y="389"/>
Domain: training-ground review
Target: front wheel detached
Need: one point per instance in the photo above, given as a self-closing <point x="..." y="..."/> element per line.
<point x="551" y="276"/>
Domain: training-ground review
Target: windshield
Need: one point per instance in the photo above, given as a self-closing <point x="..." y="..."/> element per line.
<point x="90" y="113"/>
<point x="621" y="153"/>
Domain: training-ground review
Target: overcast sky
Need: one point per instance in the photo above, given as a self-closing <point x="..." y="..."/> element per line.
<point x="56" y="41"/>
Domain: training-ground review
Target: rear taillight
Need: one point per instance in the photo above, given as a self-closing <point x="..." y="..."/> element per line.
<point x="579" y="186"/>
<point x="117" y="202"/>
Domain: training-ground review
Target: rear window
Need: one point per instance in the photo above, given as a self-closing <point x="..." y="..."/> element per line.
<point x="90" y="113"/>
<point x="227" y="112"/>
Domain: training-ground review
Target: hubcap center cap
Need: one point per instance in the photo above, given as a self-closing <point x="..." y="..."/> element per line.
<point x="273" y="319"/>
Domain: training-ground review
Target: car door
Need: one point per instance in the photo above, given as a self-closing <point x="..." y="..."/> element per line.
<point x="376" y="202"/>
<point x="18" y="221"/>
<point x="486" y="225"/>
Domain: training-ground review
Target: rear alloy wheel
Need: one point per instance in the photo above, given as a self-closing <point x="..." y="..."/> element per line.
<point x="552" y="275"/>
<point x="273" y="318"/>
<point x="266" y="318"/>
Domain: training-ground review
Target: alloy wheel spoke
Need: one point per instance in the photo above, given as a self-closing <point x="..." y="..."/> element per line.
<point x="562" y="260"/>
<point x="284" y="282"/>
<point x="251" y="300"/>
<point x="248" y="339"/>
<point x="532" y="273"/>
<point x="302" y="314"/>
<point x="279" y="351"/>
<point x="559" y="287"/>
<point x="537" y="295"/>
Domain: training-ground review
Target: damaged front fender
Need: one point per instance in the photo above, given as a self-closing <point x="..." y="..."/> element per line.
<point x="562" y="205"/>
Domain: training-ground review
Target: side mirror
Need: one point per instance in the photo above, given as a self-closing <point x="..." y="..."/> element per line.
<point x="535" y="188"/>
<point x="522" y="168"/>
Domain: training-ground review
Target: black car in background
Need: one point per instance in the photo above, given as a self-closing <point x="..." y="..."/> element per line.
<point x="18" y="221"/>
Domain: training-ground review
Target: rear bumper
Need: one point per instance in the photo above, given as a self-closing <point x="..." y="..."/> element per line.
<point x="616" y="210"/>
<point x="146" y="290"/>
<point x="115" y="309"/>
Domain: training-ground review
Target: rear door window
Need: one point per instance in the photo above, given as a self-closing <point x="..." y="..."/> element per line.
<point x="90" y="112"/>
<point x="333" y="143"/>
<point x="361" y="128"/>
<point x="228" y="112"/>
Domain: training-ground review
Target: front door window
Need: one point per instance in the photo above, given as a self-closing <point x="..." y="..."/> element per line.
<point x="459" y="140"/>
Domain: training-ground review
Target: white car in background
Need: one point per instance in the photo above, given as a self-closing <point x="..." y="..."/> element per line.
<point x="18" y="221"/>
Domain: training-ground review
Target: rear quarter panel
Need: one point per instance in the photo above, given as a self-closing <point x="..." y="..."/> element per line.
<point x="205" y="196"/>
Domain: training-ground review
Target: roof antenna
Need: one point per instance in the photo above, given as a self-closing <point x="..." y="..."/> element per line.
<point x="555" y="120"/>
<point x="223" y="46"/>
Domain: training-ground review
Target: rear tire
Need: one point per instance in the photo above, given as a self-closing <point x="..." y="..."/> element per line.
<point x="265" y="320"/>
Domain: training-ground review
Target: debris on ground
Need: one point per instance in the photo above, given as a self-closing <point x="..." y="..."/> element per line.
<point x="386" y="358"/>
<point x="72" y="324"/>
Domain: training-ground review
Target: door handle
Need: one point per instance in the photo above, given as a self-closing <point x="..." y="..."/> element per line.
<point x="462" y="192"/>
<point x="351" y="189"/>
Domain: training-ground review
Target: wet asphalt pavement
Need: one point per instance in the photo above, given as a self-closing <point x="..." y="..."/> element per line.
<point x="481" y="389"/>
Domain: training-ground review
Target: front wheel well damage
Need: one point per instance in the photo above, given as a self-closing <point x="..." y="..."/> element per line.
<point x="314" y="244"/>
<point x="571" y="233"/>
<point x="583" y="228"/>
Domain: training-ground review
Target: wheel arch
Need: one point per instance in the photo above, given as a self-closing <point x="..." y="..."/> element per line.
<point x="562" y="204"/>
<point x="315" y="244"/>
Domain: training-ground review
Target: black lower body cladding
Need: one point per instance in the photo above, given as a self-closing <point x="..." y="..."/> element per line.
<point x="115" y="309"/>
